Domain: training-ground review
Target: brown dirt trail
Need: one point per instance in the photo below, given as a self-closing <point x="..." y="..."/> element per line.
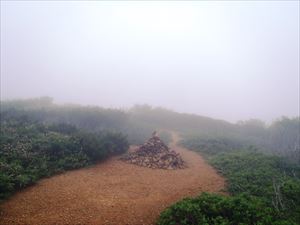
<point x="112" y="192"/>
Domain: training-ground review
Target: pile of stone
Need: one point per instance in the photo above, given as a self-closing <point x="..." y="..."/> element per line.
<point x="155" y="154"/>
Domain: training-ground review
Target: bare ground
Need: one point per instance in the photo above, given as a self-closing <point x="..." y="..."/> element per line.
<point x="111" y="193"/>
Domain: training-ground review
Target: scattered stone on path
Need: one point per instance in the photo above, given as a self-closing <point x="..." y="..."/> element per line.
<point x="155" y="154"/>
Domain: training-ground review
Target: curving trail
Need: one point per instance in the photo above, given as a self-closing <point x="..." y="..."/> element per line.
<point x="111" y="193"/>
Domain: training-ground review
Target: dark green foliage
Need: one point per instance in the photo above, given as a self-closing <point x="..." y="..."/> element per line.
<point x="98" y="145"/>
<point x="272" y="179"/>
<point x="212" y="209"/>
<point x="251" y="171"/>
<point x="267" y="177"/>
<point x="31" y="150"/>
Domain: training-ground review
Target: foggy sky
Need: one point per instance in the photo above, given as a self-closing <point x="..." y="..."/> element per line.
<point x="231" y="60"/>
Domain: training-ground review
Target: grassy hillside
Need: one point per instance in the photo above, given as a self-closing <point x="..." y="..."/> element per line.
<point x="265" y="189"/>
<point x="282" y="137"/>
<point x="31" y="150"/>
<point x="40" y="138"/>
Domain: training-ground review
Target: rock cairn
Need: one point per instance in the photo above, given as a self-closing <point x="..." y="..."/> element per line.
<point x="155" y="154"/>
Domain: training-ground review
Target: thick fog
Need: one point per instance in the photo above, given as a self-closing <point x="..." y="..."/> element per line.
<point x="229" y="60"/>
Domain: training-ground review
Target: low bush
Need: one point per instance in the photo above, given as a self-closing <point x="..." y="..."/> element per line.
<point x="270" y="178"/>
<point x="31" y="150"/>
<point x="265" y="188"/>
<point x="213" y="209"/>
<point x="211" y="146"/>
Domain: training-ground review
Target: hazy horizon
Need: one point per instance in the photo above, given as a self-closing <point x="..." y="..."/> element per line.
<point x="225" y="60"/>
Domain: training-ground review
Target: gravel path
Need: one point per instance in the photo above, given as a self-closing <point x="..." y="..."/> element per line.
<point x="112" y="192"/>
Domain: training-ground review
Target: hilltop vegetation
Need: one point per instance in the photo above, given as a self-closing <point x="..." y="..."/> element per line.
<point x="265" y="189"/>
<point x="261" y="163"/>
<point x="86" y="118"/>
<point x="281" y="137"/>
<point x="212" y="209"/>
<point x="31" y="150"/>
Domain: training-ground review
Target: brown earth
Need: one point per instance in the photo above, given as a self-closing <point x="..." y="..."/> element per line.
<point x="112" y="192"/>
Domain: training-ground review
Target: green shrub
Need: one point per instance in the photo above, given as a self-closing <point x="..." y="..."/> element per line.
<point x="31" y="150"/>
<point x="213" y="209"/>
<point x="211" y="146"/>
<point x="273" y="180"/>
